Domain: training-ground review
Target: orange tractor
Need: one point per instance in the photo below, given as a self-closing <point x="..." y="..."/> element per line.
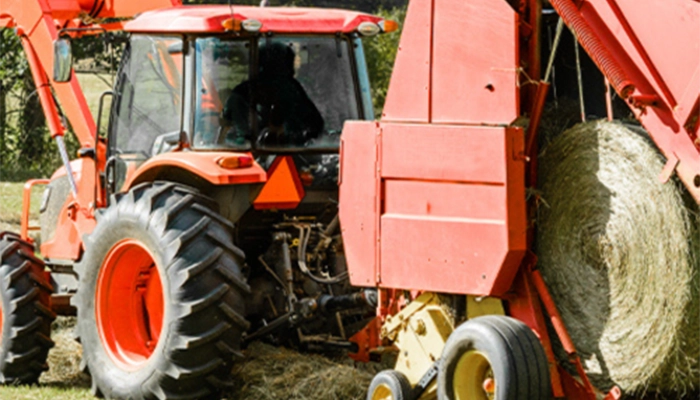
<point x="211" y="214"/>
<point x="207" y="216"/>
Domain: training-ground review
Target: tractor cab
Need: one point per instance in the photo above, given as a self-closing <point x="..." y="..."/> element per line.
<point x="263" y="81"/>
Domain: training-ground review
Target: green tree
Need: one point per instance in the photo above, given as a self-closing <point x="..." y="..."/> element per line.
<point x="13" y="67"/>
<point x="381" y="53"/>
<point x="32" y="143"/>
<point x="26" y="148"/>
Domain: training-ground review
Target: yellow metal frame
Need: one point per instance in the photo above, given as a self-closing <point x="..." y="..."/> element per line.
<point x="422" y="328"/>
<point x="480" y="306"/>
<point x="420" y="332"/>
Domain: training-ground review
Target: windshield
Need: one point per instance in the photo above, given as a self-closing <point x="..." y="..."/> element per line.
<point x="294" y="94"/>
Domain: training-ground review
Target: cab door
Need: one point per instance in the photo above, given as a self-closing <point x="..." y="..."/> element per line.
<point x="147" y="108"/>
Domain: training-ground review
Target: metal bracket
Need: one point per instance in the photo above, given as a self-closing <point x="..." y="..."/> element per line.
<point x="427" y="378"/>
<point x="669" y="169"/>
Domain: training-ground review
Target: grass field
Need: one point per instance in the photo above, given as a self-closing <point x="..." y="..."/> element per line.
<point x="11" y="205"/>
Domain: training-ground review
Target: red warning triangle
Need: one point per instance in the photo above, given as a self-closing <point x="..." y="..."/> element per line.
<point x="283" y="189"/>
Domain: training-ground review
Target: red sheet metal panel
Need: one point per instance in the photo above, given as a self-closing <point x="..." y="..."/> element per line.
<point x="654" y="44"/>
<point x="475" y="62"/>
<point x="665" y="37"/>
<point x="445" y="200"/>
<point x="642" y="43"/>
<point x="408" y="99"/>
<point x="450" y="255"/>
<point x="358" y="198"/>
<point x="444" y="153"/>
<point x="453" y="217"/>
<point x="274" y="19"/>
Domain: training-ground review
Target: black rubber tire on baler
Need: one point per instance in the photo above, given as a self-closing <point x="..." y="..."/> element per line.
<point x="514" y="354"/>
<point x="26" y="314"/>
<point x="202" y="291"/>
<point x="390" y="382"/>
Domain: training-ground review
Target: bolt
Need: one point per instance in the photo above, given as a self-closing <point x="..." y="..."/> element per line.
<point x="489" y="386"/>
<point x="420" y="327"/>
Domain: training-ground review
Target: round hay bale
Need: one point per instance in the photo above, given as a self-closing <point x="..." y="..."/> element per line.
<point x="619" y="252"/>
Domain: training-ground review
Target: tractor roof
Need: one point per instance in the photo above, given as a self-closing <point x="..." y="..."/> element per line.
<point x="209" y="19"/>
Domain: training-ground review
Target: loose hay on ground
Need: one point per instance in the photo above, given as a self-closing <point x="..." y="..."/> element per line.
<point x="619" y="251"/>
<point x="267" y="373"/>
<point x="277" y="373"/>
<point x="64" y="357"/>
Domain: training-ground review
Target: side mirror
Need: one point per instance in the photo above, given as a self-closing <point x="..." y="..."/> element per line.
<point x="62" y="60"/>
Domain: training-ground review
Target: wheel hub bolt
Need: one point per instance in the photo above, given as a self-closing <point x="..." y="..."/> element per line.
<point x="489" y="385"/>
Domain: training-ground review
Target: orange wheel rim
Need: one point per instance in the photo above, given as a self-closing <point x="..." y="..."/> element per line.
<point x="129" y="304"/>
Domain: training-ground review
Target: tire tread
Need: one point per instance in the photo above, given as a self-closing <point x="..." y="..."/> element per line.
<point x="25" y="291"/>
<point x="206" y="304"/>
<point x="523" y="358"/>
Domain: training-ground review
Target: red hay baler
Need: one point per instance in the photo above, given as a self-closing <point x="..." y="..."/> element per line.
<point x="435" y="200"/>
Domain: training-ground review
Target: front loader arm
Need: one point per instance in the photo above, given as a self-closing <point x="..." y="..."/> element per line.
<point x="38" y="22"/>
<point x="650" y="53"/>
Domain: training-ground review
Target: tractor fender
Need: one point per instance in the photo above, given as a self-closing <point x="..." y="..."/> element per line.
<point x="191" y="167"/>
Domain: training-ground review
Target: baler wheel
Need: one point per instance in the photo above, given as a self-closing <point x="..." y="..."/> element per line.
<point x="25" y="312"/>
<point x="160" y="301"/>
<point x="493" y="358"/>
<point x="390" y="385"/>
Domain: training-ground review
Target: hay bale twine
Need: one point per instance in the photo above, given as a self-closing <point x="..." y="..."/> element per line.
<point x="619" y="252"/>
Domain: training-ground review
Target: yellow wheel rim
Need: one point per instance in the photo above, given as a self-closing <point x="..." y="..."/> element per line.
<point x="473" y="378"/>
<point x="382" y="392"/>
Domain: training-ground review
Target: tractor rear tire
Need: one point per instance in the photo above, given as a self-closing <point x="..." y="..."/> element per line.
<point x="25" y="312"/>
<point x="493" y="357"/>
<point x="160" y="301"/>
